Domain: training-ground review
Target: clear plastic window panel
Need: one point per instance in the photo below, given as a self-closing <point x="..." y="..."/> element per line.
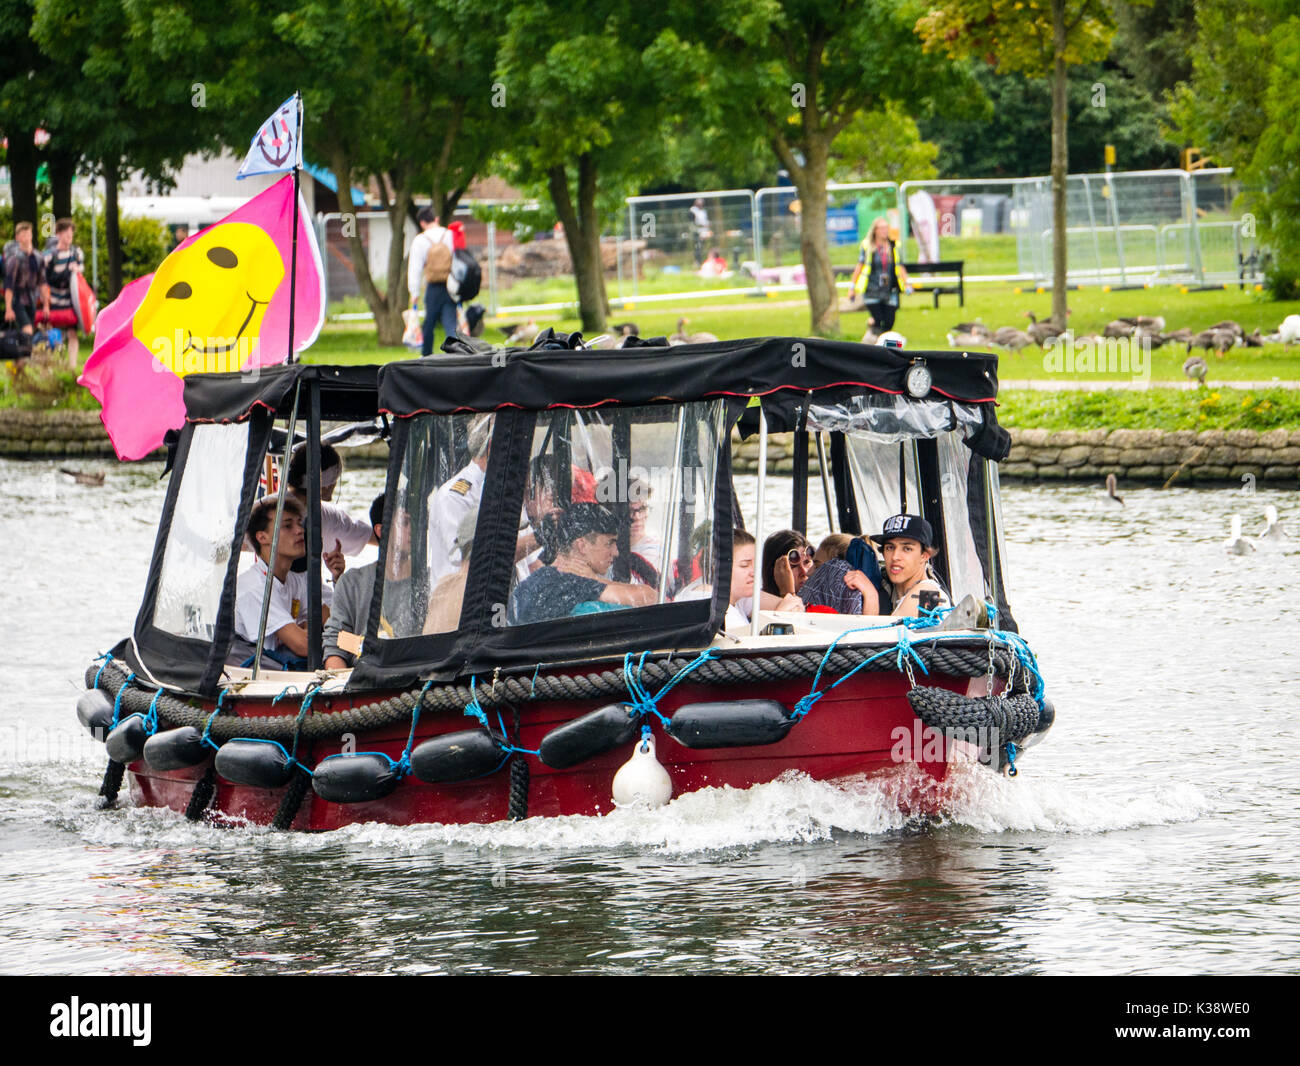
<point x="202" y="531"/>
<point x="965" y="573"/>
<point x="887" y="419"/>
<point x="874" y="466"/>
<point x="430" y="537"/>
<point x="618" y="511"/>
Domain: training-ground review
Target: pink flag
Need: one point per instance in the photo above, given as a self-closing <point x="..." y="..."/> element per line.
<point x="218" y="303"/>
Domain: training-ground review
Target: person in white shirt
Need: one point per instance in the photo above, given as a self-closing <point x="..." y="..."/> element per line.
<point x="454" y="499"/>
<point x="340" y="532"/>
<point x="286" y="618"/>
<point x="438" y="304"/>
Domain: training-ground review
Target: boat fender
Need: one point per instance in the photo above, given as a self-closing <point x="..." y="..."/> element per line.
<point x="1046" y="716"/>
<point x="642" y="781"/>
<point x="584" y="738"/>
<point x="126" y="742"/>
<point x="1010" y="718"/>
<point x="457" y="756"/>
<point x="356" y="777"/>
<point x="729" y="724"/>
<point x="176" y="749"/>
<point x="95" y="712"/>
<point x="256" y="763"/>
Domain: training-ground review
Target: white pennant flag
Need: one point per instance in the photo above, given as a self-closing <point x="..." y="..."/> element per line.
<point x="278" y="144"/>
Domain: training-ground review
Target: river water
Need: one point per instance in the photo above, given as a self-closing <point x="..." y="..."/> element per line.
<point x="1153" y="831"/>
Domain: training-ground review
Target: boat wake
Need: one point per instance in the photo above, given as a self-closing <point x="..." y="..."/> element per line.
<point x="793" y="809"/>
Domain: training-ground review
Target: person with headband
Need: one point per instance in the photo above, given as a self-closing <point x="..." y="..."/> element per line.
<point x="341" y="534"/>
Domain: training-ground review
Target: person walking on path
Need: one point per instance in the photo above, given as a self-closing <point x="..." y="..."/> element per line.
<point x="430" y="266"/>
<point x="63" y="263"/>
<point x="879" y="277"/>
<point x="24" y="281"/>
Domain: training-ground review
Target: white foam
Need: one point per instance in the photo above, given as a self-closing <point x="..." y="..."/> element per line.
<point x="794" y="809"/>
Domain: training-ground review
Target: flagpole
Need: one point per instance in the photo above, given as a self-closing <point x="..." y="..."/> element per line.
<point x="293" y="257"/>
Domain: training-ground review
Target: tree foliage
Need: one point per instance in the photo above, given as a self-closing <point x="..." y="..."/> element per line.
<point x="1038" y="38"/>
<point x="883" y="145"/>
<point x="589" y="94"/>
<point x="1240" y="108"/>
<point x="799" y="72"/>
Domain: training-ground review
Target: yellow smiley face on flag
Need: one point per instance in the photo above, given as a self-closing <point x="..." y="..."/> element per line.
<point x="204" y="308"/>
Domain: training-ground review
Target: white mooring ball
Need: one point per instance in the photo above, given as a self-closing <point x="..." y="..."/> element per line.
<point x="642" y="781"/>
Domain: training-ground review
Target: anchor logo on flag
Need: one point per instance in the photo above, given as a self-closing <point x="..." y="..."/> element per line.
<point x="277" y="145"/>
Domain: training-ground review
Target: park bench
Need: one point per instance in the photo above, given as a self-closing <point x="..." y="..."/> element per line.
<point x="951" y="280"/>
<point x="922" y="277"/>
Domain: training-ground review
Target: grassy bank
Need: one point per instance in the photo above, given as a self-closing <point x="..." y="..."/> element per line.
<point x="925" y="329"/>
<point x="1156" y="408"/>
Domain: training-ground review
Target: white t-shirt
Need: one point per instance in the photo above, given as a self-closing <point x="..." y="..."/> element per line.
<point x="735" y="619"/>
<point x="336" y="524"/>
<point x="288" y="602"/>
<point x="448" y="505"/>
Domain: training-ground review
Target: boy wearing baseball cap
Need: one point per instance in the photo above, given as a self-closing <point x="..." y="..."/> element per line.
<point x="907" y="543"/>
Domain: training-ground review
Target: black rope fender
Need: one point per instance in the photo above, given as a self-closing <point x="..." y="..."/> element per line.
<point x="967" y="660"/>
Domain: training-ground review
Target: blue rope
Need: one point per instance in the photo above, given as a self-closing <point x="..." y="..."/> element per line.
<point x="642" y="702"/>
<point x="1011" y="759"/>
<point x="108" y="658"/>
<point x="403" y="765"/>
<point x="509" y="748"/>
<point x="117" y="703"/>
<point x="297" y="725"/>
<point x="151" y="719"/>
<point x="532" y="689"/>
<point x="474" y="709"/>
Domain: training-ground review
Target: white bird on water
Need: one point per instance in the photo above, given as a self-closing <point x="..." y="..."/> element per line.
<point x="1274" y="531"/>
<point x="1236" y="544"/>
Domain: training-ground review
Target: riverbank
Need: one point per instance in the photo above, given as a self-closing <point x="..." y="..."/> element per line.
<point x="1037" y="454"/>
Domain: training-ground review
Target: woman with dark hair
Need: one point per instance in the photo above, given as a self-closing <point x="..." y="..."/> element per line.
<point x="787" y="562"/>
<point x="579" y="546"/>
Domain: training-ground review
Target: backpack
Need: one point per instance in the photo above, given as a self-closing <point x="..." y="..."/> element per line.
<point x="466" y="276"/>
<point x="437" y="264"/>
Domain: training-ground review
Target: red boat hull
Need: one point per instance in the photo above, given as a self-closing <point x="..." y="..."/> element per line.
<point x="862" y="726"/>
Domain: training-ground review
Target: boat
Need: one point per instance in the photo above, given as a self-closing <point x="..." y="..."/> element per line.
<point x="506" y="712"/>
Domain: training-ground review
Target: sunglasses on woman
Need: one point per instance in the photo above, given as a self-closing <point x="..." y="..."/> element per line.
<point x="799" y="556"/>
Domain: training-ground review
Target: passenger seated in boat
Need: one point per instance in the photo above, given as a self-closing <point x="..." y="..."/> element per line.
<point x="907" y="543"/>
<point x="448" y="595"/>
<point x="540" y="502"/>
<point x="579" y="547"/>
<point x="787" y="563"/>
<point x="826" y="588"/>
<point x="286" y="618"/>
<point x="350" y="610"/>
<point x="340" y="532"/>
<point x="741" y="608"/>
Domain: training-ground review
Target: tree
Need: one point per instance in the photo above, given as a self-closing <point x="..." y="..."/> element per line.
<point x="1239" y="106"/>
<point x="588" y="94"/>
<point x="801" y="71"/>
<point x="1009" y="144"/>
<point x="882" y="145"/>
<point x="115" y="104"/>
<point x="398" y="98"/>
<point x="1040" y="38"/>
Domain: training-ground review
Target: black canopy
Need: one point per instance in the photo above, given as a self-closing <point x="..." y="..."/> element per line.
<point x="537" y="379"/>
<point x="347" y="393"/>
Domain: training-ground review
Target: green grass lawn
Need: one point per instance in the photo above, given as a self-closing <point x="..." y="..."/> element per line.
<point x="925" y="329"/>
